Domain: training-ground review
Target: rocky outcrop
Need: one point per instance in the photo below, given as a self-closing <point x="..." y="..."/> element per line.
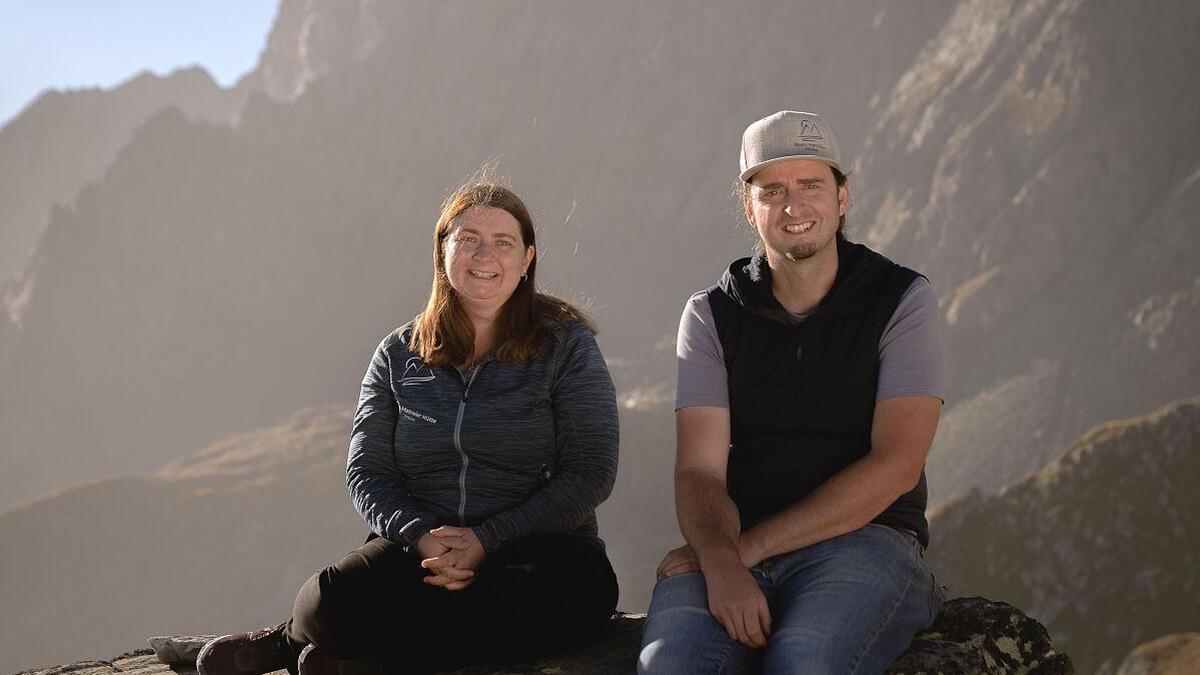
<point x="972" y="635"/>
<point x="1102" y="545"/>
<point x="976" y="635"/>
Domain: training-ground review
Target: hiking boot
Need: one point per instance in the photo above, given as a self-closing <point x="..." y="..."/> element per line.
<point x="314" y="662"/>
<point x="253" y="653"/>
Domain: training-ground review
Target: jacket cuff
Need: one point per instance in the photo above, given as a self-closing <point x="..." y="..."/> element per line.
<point x="488" y="537"/>
<point x="410" y="532"/>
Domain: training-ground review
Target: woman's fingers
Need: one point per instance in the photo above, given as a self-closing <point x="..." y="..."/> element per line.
<point x="446" y="559"/>
<point x="458" y="585"/>
<point x="444" y="580"/>
<point x="450" y="576"/>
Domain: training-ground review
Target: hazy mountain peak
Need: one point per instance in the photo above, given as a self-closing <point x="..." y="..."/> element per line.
<point x="311" y="38"/>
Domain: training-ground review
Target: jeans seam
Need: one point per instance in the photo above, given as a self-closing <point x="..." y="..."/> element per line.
<point x="733" y="644"/>
<point x="879" y="627"/>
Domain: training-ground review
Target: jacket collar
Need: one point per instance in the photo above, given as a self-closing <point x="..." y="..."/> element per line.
<point x="747" y="282"/>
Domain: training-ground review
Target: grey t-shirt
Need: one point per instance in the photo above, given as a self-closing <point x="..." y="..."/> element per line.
<point x="909" y="362"/>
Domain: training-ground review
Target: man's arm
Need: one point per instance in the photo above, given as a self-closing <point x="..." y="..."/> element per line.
<point x="901" y="433"/>
<point x="710" y="523"/>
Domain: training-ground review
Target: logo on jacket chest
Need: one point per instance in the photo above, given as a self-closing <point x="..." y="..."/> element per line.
<point x="415" y="372"/>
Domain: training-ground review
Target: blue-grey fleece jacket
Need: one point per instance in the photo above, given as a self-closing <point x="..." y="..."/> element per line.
<point x="508" y="449"/>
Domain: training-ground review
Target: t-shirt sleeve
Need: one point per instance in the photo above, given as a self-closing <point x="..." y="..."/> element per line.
<point x="700" y="361"/>
<point x="910" y="361"/>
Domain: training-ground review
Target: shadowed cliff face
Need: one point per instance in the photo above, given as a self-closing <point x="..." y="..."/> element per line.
<point x="1102" y="545"/>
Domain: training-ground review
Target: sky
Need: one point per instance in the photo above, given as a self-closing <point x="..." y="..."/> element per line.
<point x="71" y="44"/>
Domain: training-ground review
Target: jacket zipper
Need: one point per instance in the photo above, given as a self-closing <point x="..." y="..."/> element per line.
<point x="466" y="460"/>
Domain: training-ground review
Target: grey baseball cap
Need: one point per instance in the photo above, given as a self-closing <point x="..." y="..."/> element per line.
<point x="788" y="135"/>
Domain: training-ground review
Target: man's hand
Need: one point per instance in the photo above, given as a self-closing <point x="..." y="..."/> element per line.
<point x="736" y="602"/>
<point x="431" y="548"/>
<point x="678" y="561"/>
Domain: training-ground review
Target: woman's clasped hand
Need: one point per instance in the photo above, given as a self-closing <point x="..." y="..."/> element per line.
<point x="452" y="554"/>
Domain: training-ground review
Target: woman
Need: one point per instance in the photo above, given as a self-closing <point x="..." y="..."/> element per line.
<point x="485" y="437"/>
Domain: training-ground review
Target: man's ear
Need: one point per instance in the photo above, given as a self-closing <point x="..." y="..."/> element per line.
<point x="746" y="210"/>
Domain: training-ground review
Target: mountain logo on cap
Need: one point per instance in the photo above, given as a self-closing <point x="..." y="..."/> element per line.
<point x="810" y="132"/>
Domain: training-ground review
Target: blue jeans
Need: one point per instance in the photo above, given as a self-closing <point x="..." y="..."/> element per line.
<point x="850" y="604"/>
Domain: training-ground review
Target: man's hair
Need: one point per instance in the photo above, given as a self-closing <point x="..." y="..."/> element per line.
<point x="741" y="189"/>
<point x="443" y="334"/>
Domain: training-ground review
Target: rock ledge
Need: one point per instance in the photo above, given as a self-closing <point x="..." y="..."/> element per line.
<point x="971" y="635"/>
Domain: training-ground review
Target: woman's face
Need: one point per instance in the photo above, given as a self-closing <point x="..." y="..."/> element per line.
<point x="485" y="257"/>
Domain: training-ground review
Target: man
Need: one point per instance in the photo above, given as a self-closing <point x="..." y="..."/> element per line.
<point x="809" y="392"/>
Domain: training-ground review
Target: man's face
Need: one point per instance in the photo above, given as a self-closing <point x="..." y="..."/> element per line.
<point x="795" y="205"/>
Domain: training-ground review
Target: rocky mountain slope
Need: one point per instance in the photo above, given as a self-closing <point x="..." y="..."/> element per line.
<point x="65" y="139"/>
<point x="218" y="276"/>
<point x="1037" y="162"/>
<point x="228" y="533"/>
<point x="1102" y="545"/>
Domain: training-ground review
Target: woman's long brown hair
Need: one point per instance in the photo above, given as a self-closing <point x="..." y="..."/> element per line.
<point x="443" y="334"/>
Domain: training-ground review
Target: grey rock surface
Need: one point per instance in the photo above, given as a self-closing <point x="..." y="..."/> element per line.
<point x="178" y="650"/>
<point x="139" y="662"/>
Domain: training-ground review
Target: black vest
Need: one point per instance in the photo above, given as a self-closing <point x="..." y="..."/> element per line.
<point x="802" y="393"/>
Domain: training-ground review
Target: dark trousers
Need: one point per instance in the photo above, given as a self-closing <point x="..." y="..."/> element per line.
<point x="529" y="598"/>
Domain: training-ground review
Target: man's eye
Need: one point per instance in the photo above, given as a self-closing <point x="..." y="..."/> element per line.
<point x="504" y="242"/>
